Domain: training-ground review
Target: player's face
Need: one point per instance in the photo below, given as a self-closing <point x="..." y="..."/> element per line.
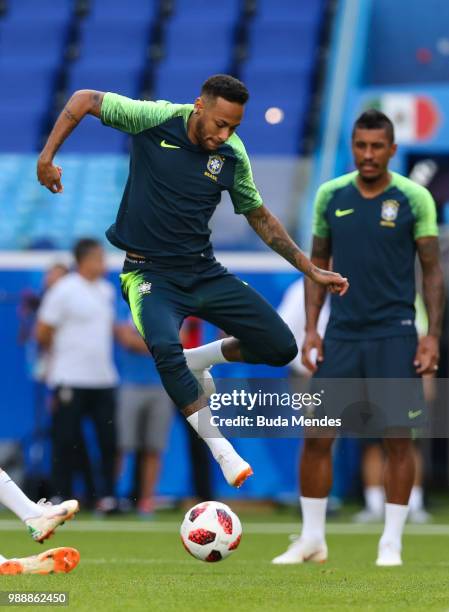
<point x="217" y="120"/>
<point x="372" y="151"/>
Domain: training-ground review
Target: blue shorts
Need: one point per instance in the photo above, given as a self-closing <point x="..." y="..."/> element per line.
<point x="372" y="384"/>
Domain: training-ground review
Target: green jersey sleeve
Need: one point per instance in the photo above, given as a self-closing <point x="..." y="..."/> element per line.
<point x="425" y="214"/>
<point x="422" y="205"/>
<point x="134" y="116"/>
<point x="320" y="225"/>
<point x="244" y="193"/>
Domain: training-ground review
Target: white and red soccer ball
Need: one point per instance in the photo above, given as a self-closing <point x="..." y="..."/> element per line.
<point x="211" y="531"/>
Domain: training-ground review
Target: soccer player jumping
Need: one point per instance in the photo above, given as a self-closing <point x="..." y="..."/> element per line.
<point x="182" y="157"/>
<point x="371" y="222"/>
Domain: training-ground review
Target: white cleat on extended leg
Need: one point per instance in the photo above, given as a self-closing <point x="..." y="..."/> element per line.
<point x="42" y="527"/>
<point x="389" y="555"/>
<point x="301" y="551"/>
<point x="235" y="469"/>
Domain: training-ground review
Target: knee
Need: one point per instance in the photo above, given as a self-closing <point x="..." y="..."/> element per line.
<point x="284" y="354"/>
<point x="167" y="355"/>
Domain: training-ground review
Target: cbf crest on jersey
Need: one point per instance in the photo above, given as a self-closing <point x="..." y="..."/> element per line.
<point x="144" y="288"/>
<point x="215" y="164"/>
<point x="389" y="213"/>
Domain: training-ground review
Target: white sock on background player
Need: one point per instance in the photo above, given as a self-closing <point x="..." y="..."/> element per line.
<point x="205" y="356"/>
<point x="416" y="501"/>
<point x="15" y="499"/>
<point x="313" y="518"/>
<point x="375" y="499"/>
<point x="395" y="518"/>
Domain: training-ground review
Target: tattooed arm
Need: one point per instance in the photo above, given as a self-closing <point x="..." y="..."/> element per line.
<point x="427" y="356"/>
<point x="273" y="233"/>
<point x="82" y="102"/>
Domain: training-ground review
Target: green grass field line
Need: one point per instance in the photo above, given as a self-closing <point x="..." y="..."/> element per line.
<point x="167" y="527"/>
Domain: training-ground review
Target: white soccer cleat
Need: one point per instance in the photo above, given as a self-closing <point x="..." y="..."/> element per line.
<point x="53" y="561"/>
<point x="389" y="555"/>
<point x="419" y="517"/>
<point x="235" y="469"/>
<point x="205" y="378"/>
<point x="42" y="527"/>
<point x="301" y="551"/>
<point x="367" y="516"/>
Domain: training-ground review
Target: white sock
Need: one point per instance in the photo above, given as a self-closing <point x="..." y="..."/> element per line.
<point x="375" y="499"/>
<point x="15" y="499"/>
<point x="3" y="559"/>
<point x="313" y="518"/>
<point x="416" y="501"/>
<point x="200" y="421"/>
<point x="205" y="356"/>
<point x="395" y="517"/>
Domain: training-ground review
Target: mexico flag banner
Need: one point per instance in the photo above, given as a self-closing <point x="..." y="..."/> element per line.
<point x="415" y="117"/>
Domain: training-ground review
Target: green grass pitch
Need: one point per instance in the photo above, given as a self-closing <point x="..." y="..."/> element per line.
<point x="141" y="565"/>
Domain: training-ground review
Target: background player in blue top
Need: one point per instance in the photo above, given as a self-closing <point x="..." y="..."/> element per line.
<point x="371" y="222"/>
<point x="182" y="157"/>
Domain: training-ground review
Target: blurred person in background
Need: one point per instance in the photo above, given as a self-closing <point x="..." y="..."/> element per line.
<point x="183" y="157"/>
<point x="36" y="358"/>
<point x="29" y="305"/>
<point x="144" y="412"/>
<point x="76" y="325"/>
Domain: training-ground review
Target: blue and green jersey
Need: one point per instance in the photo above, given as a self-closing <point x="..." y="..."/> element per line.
<point x="373" y="243"/>
<point x="173" y="185"/>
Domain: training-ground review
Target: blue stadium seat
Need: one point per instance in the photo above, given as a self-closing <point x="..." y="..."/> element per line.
<point x="126" y="10"/>
<point x="26" y="86"/>
<point x="41" y="42"/>
<point x="276" y="86"/>
<point x="282" y="42"/>
<point x="218" y="13"/>
<point x="120" y="43"/>
<point x="57" y="11"/>
<point x="20" y="130"/>
<point x="104" y="77"/>
<point x="261" y="138"/>
<point x="306" y="11"/>
<point x="202" y="43"/>
<point x="178" y="84"/>
<point x="91" y="136"/>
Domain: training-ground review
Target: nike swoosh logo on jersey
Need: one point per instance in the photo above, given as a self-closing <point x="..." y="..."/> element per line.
<point x="165" y="145"/>
<point x="412" y="414"/>
<point x="343" y="213"/>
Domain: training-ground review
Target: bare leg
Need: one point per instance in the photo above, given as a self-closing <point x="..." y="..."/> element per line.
<point x="231" y="349"/>
<point x="373" y="466"/>
<point x="151" y="464"/>
<point x="419" y="470"/>
<point x="316" y="467"/>
<point x="399" y="470"/>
